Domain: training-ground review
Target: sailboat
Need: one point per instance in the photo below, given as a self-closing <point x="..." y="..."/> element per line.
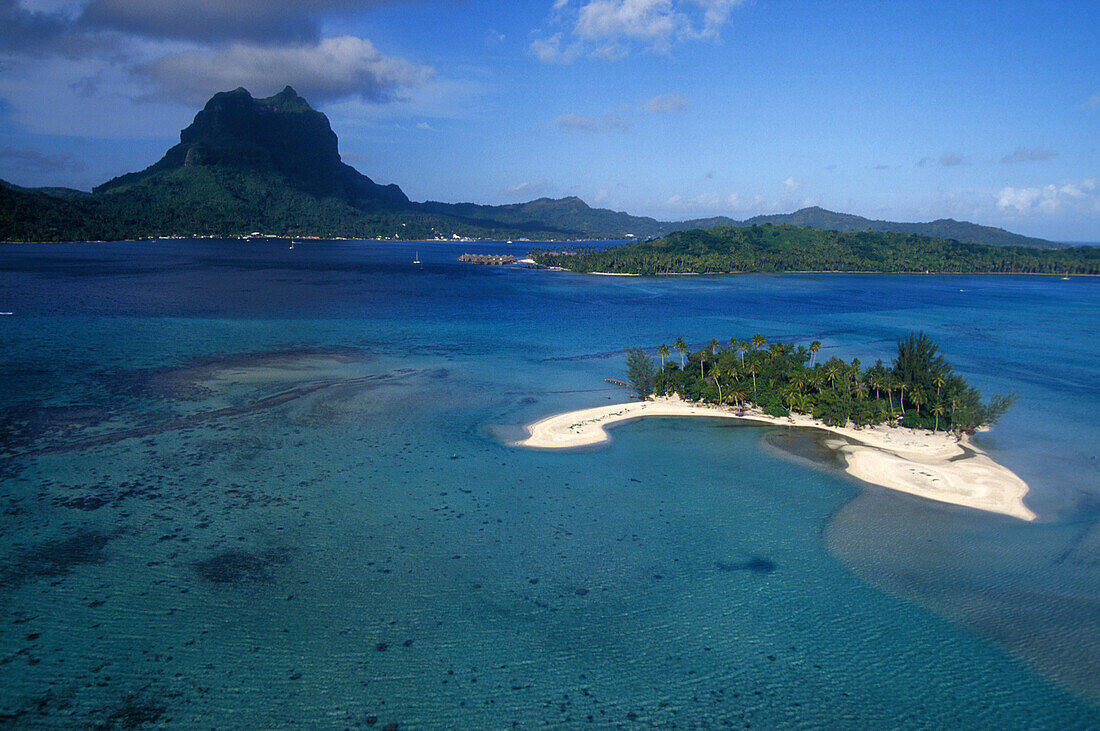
<point x="417" y="260"/>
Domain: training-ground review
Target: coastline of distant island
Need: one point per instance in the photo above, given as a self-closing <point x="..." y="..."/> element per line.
<point x="775" y="248"/>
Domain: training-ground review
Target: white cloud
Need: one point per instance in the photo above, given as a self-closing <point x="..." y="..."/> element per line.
<point x="1079" y="195"/>
<point x="951" y="159"/>
<point x="529" y="189"/>
<point x="1023" y="154"/>
<point x="1093" y="102"/>
<point x="792" y="185"/>
<point x="610" y="29"/>
<point x="332" y="69"/>
<point x="650" y="21"/>
<point x="550" y="50"/>
<point x="671" y="102"/>
<point x="577" y="123"/>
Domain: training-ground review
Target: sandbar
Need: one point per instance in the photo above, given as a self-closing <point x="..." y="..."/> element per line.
<point x="933" y="465"/>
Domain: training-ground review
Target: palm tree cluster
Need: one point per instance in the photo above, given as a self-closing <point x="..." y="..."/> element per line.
<point x="919" y="389"/>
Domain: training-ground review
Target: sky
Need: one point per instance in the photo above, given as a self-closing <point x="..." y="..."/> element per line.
<point x="980" y="110"/>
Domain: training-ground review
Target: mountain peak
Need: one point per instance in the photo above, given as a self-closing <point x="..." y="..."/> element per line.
<point x="279" y="135"/>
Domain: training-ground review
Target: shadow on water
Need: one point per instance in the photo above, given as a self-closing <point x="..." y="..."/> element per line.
<point x="55" y="558"/>
<point x="185" y="382"/>
<point x="238" y="567"/>
<point x="808" y="446"/>
<point x="183" y="422"/>
<point x="755" y="565"/>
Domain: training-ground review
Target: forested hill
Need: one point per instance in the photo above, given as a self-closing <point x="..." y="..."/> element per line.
<point x="941" y="228"/>
<point x="785" y="248"/>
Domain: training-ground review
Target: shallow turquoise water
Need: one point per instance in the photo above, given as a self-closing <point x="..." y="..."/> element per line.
<point x="302" y="510"/>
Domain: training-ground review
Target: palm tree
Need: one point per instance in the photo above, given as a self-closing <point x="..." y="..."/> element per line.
<point x="902" y="388"/>
<point x="734" y="345"/>
<point x="714" y="346"/>
<point x="937" y="409"/>
<point x="918" y="399"/>
<point x="938" y="381"/>
<point x="831" y="375"/>
<point x="682" y="347"/>
<point x="758" y="341"/>
<point x="874" y="380"/>
<point x="861" y="390"/>
<point x="814" y="347"/>
<point x="751" y="369"/>
<point x="717" y="373"/>
<point x="738" y="398"/>
<point x="793" y="398"/>
<point x="664" y="352"/>
<point x="702" y="360"/>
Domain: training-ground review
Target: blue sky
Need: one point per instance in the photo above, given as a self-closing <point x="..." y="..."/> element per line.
<point x="984" y="111"/>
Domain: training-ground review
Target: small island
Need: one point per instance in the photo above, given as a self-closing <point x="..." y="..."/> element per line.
<point x="905" y="427"/>
<point x="786" y="248"/>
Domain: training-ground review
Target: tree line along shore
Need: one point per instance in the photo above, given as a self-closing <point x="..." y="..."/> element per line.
<point x="919" y="389"/>
<point x="786" y="248"/>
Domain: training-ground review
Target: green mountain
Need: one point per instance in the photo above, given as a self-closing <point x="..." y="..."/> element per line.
<point x="570" y="218"/>
<point x="280" y="137"/>
<point x="943" y="228"/>
<point x="273" y="165"/>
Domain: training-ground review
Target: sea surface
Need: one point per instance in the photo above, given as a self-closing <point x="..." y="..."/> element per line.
<point x="249" y="485"/>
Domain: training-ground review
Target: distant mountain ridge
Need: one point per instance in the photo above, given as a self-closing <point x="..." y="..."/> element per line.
<point x="943" y="228"/>
<point x="273" y="165"/>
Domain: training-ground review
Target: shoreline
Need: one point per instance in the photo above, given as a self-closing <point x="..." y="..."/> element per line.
<point x="1060" y="275"/>
<point x="932" y="465"/>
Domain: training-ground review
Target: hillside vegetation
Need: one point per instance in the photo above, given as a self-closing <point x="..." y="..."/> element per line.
<point x="785" y="248"/>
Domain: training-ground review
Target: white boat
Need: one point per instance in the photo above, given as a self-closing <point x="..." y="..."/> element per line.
<point x="417" y="259"/>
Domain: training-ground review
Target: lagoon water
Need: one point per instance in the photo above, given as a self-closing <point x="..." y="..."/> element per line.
<point x="245" y="485"/>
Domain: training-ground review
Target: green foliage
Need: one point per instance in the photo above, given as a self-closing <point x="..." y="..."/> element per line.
<point x="778" y="379"/>
<point x="641" y="372"/>
<point x="944" y="228"/>
<point x="997" y="406"/>
<point x="917" y="363"/>
<point x="784" y="248"/>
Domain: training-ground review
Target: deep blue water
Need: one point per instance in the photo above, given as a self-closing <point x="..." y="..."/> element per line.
<point x="244" y="485"/>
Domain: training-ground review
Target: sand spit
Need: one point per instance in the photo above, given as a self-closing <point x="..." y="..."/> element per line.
<point x="933" y="465"/>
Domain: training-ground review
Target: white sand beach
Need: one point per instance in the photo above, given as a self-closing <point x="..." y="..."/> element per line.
<point x="933" y="465"/>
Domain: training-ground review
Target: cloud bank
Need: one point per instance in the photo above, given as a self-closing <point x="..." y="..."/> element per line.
<point x="1079" y="196"/>
<point x="186" y="50"/>
<point x="331" y="69"/>
<point x="611" y="29"/>
<point x="262" y="21"/>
